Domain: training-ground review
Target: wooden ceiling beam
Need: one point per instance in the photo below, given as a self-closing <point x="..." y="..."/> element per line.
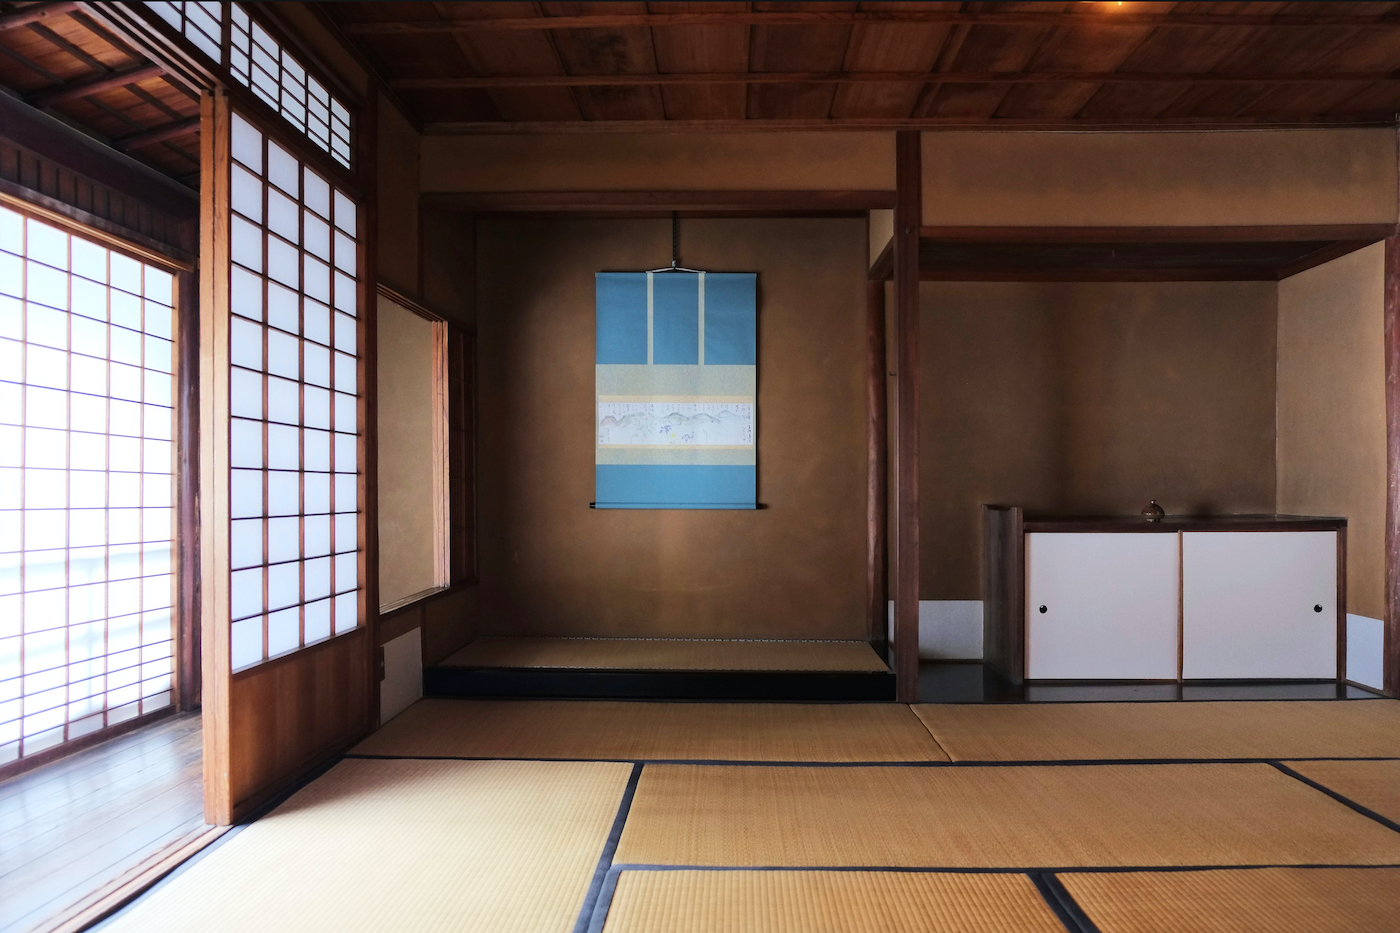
<point x="862" y="17"/>
<point x="887" y="77"/>
<point x="34" y="13"/>
<point x="848" y="124"/>
<point x="159" y="134"/>
<point x="94" y="85"/>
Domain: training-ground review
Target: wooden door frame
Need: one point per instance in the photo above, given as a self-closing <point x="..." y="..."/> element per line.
<point x="1391" y="636"/>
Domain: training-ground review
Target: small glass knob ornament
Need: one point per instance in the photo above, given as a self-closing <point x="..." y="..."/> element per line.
<point x="1153" y="512"/>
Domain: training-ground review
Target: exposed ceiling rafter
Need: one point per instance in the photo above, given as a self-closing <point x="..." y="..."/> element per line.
<point x="888" y="77"/>
<point x="864" y="17"/>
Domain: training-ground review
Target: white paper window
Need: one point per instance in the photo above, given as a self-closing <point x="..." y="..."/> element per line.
<point x="274" y="74"/>
<point x="201" y="23"/>
<point x="293" y="400"/>
<point x="85" y="487"/>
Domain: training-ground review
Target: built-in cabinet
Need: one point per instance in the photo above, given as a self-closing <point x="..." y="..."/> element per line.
<point x="1239" y="598"/>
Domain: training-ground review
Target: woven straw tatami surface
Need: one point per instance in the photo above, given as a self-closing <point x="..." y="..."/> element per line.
<point x="820" y="901"/>
<point x="1373" y="784"/>
<point x="1099" y="731"/>
<point x="668" y="654"/>
<point x="1047" y="816"/>
<point x="675" y="731"/>
<point x="1266" y="900"/>
<point x="405" y="847"/>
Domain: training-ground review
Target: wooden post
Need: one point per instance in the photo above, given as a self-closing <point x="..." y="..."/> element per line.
<point x="1391" y="661"/>
<point x="876" y="461"/>
<point x="907" y="210"/>
<point x="214" y="454"/>
<point x="188" y="673"/>
<point x="366" y="168"/>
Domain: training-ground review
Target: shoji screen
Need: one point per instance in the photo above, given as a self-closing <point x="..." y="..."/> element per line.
<point x="293" y="483"/>
<point x="85" y="487"/>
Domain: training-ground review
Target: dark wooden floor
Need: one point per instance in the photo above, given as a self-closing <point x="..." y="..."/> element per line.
<point x="974" y="682"/>
<point x="72" y="828"/>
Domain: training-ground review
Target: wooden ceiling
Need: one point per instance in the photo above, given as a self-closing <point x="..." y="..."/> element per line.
<point x="473" y="67"/>
<point x="58" y="58"/>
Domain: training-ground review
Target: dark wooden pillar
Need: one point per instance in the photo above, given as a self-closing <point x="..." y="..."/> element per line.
<point x="1392" y="466"/>
<point x="907" y="212"/>
<point x="877" y="461"/>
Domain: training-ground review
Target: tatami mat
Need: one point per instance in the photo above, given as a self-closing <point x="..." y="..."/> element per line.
<point x="672" y="731"/>
<point x="1373" y="784"/>
<point x="1268" y="900"/>
<point x="668" y="654"/>
<point x="1099" y="731"/>
<point x="1048" y="816"/>
<point x="404" y="847"/>
<point x="827" y="902"/>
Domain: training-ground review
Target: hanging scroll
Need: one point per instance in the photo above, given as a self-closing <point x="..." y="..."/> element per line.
<point x="676" y="390"/>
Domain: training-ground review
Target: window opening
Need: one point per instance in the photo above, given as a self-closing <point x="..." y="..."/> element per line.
<point x="86" y="522"/>
<point x="259" y="63"/>
<point x="272" y="73"/>
<point x="200" y="22"/>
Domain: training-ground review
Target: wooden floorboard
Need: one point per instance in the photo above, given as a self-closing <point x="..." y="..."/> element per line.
<point x="58" y="819"/>
<point x="78" y="825"/>
<point x="62" y="776"/>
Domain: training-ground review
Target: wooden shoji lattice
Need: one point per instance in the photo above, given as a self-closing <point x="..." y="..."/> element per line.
<point x="293" y="394"/>
<point x="274" y="74"/>
<point x="86" y="416"/>
<point x="200" y="22"/>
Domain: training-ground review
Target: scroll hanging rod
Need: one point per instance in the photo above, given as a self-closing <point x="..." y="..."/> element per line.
<point x="675" y="265"/>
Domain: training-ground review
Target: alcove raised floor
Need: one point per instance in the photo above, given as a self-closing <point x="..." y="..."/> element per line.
<point x="663" y="668"/>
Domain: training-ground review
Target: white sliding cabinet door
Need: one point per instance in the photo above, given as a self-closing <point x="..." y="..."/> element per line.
<point x="1260" y="604"/>
<point x="1101" y="606"/>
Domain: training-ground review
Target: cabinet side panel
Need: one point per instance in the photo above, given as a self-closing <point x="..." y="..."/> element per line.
<point x="1259" y="605"/>
<point x="1002" y="583"/>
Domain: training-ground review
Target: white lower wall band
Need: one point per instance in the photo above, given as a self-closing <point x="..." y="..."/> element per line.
<point x="1365" y="651"/>
<point x="403" y="674"/>
<point x="949" y="629"/>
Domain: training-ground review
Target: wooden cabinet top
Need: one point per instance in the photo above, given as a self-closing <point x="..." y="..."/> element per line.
<point x="1044" y="521"/>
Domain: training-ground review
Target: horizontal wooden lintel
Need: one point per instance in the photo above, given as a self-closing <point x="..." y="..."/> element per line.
<point x="1097" y="18"/>
<point x="889" y="77"/>
<point x="930" y="124"/>
<point x="1160" y="234"/>
<point x="568" y="201"/>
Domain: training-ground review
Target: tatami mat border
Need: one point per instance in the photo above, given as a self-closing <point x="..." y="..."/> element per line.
<point x="1059" y="900"/>
<point x="1345" y="801"/>
<point x="1066" y="908"/>
<point x="600" y="874"/>
<point x="971" y="763"/>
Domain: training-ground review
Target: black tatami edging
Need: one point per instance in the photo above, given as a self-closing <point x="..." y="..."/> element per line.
<point x="1065" y="907"/>
<point x="1345" y="801"/>
<point x="601" y="873"/>
<point x="1059" y="900"/>
<point x="753" y="763"/>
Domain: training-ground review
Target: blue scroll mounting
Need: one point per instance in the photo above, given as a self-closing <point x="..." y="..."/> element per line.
<point x="677" y="358"/>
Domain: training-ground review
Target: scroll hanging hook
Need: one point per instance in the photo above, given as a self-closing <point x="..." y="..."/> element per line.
<point x="675" y="265"/>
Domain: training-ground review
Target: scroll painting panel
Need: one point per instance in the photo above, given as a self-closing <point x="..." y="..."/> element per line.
<point x="676" y="390"/>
